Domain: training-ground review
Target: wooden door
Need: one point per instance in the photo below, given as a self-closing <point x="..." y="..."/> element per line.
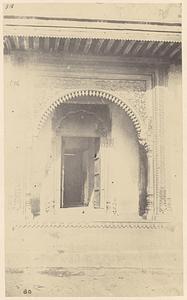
<point x="73" y="176"/>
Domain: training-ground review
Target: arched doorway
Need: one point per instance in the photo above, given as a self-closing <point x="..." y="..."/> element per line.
<point x="93" y="158"/>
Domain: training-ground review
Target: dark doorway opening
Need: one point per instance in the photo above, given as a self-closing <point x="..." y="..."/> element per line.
<point x="78" y="182"/>
<point x="73" y="177"/>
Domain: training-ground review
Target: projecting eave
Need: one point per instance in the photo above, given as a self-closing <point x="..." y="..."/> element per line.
<point x="127" y="38"/>
<point x="60" y="28"/>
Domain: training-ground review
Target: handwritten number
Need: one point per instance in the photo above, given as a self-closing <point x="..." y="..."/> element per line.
<point x="14" y="83"/>
<point x="27" y="291"/>
<point x="7" y="6"/>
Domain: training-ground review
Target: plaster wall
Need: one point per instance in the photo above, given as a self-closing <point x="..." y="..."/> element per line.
<point x="30" y="87"/>
<point x="33" y="82"/>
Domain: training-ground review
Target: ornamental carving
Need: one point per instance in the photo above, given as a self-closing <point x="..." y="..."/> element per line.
<point x="94" y="93"/>
<point x="133" y="91"/>
<point x="122" y="225"/>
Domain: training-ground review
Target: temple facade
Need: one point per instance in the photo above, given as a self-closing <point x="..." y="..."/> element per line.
<point x="93" y="128"/>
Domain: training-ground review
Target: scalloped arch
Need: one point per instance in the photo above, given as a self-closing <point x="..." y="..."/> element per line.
<point x="96" y="93"/>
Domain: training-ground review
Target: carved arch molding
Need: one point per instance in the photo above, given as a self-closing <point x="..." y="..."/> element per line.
<point x="138" y="125"/>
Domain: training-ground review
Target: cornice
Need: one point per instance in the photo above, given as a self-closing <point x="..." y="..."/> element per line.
<point x="84" y="33"/>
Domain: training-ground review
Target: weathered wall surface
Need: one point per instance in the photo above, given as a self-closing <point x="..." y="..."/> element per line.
<point x="172" y="143"/>
<point x="124" y="167"/>
<point x="32" y="83"/>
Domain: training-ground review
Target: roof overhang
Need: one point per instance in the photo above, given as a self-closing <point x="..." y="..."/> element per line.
<point x="76" y="28"/>
<point x="124" y="37"/>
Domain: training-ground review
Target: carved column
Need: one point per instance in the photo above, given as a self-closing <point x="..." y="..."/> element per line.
<point x="149" y="211"/>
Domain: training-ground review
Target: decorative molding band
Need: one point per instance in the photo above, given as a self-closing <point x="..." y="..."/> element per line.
<point x="95" y="93"/>
<point x="92" y="34"/>
<point x="113" y="225"/>
<point x="126" y="48"/>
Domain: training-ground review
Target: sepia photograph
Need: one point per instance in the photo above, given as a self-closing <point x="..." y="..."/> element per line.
<point x="93" y="149"/>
